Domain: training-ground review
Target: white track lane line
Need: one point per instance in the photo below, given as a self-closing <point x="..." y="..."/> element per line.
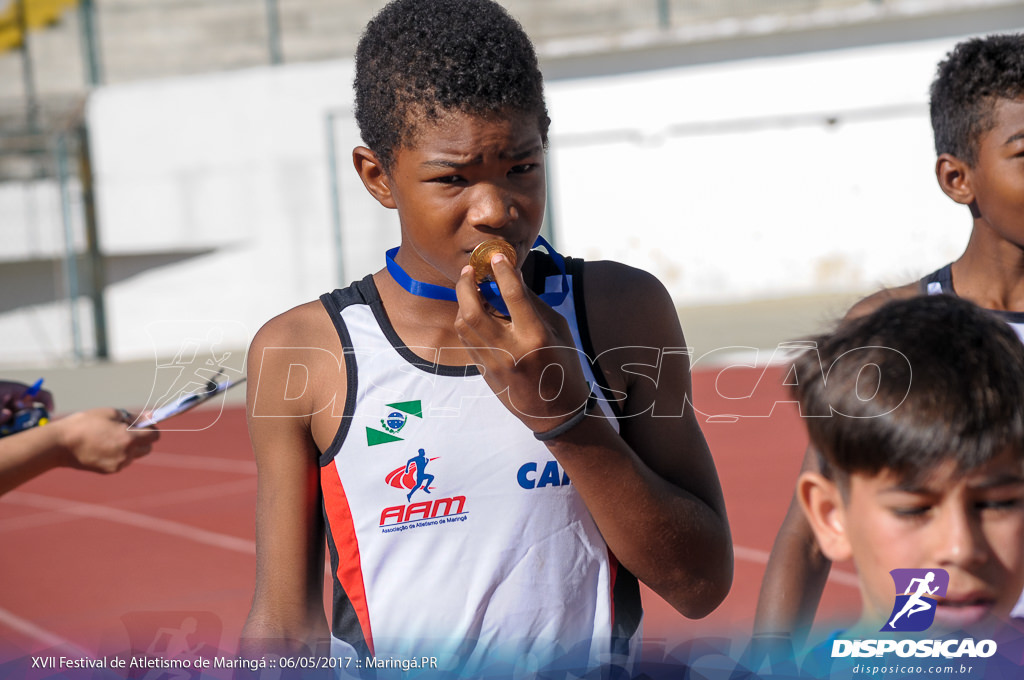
<point x="181" y="496"/>
<point x="133" y="519"/>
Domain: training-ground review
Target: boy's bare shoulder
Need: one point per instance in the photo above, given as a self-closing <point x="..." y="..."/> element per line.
<point x="875" y="300"/>
<point x="307" y="325"/>
<point x="303" y="336"/>
<point x="629" y="305"/>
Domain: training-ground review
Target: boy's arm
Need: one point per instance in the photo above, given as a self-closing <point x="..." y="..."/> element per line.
<point x="287" y="615"/>
<point x="795" y="575"/>
<point x="653" y="491"/>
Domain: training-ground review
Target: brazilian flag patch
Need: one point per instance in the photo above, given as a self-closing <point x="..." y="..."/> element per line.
<point x="393" y="423"/>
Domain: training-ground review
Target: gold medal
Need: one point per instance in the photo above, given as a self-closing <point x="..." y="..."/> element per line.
<point x="481" y="257"/>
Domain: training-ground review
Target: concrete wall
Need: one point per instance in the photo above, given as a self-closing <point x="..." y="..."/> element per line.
<point x="752" y="179"/>
<point x="759" y="178"/>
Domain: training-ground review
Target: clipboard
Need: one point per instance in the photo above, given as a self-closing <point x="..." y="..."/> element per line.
<point x="185" y="402"/>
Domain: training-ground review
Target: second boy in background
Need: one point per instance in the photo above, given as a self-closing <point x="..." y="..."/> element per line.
<point x="977" y="113"/>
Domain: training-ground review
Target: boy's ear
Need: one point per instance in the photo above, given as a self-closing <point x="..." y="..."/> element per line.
<point x="375" y="179"/>
<point x="954" y="177"/>
<point x="823" y="506"/>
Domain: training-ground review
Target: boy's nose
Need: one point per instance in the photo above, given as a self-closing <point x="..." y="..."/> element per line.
<point x="961" y="541"/>
<point x="491" y="206"/>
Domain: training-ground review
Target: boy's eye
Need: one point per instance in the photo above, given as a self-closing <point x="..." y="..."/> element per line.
<point x="522" y="169"/>
<point x="448" y="179"/>
<point x="1001" y="504"/>
<point x="911" y="511"/>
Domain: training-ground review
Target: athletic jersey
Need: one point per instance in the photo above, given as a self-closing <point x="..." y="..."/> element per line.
<point x="453" y="533"/>
<point x="941" y="281"/>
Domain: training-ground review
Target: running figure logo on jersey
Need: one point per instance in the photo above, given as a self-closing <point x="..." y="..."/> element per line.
<point x="413" y="476"/>
<point x="914" y="610"/>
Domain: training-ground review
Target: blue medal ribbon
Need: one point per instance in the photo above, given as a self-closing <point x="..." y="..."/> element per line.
<point x="489" y="289"/>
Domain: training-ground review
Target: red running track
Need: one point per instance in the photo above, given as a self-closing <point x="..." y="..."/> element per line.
<point x="104" y="564"/>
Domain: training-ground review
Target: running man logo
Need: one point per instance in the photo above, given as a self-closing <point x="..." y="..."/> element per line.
<point x="412" y="476"/>
<point x="914" y="610"/>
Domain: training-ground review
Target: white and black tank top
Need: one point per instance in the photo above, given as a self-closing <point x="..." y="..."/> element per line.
<point x="941" y="282"/>
<point x="453" y="533"/>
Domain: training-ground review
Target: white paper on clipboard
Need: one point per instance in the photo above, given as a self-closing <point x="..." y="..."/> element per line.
<point x="184" y="403"/>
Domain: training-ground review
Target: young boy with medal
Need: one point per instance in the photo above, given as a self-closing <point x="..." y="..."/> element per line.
<point x="550" y="404"/>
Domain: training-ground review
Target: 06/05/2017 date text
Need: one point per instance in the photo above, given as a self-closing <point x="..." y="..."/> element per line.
<point x="369" y="662"/>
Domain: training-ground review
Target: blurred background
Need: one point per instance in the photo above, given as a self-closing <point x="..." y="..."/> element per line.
<point x="173" y="173"/>
<point x="179" y="169"/>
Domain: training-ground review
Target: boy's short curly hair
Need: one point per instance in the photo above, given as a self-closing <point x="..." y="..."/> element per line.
<point x="418" y="59"/>
<point x="915" y="384"/>
<point x="973" y="77"/>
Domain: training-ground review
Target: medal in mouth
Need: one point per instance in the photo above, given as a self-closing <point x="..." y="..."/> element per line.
<point x="480" y="259"/>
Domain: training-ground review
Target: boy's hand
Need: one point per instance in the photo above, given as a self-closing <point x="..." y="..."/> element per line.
<point x="529" y="360"/>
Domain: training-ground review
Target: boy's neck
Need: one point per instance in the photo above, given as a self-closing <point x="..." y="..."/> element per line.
<point x="990" y="273"/>
<point x="426" y="322"/>
<point x="419" y="321"/>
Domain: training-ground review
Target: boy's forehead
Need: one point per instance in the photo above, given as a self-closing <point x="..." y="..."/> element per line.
<point x="1008" y="115"/>
<point x="458" y="131"/>
<point x="1003" y="121"/>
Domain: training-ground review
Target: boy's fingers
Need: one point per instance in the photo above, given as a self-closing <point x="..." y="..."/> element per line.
<point x="513" y="290"/>
<point x="472" y="315"/>
<point x="525" y="307"/>
<point x="466" y="292"/>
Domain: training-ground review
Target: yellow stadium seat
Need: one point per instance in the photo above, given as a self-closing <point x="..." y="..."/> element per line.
<point x="38" y="14"/>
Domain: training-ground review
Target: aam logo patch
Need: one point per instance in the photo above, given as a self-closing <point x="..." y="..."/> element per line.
<point x="917" y="592"/>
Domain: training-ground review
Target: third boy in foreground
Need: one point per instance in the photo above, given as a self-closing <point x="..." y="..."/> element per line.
<point x="921" y="464"/>
<point x="478" y="507"/>
<point x="920" y="477"/>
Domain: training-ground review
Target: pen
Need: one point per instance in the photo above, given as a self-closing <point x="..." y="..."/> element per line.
<point x="33" y="390"/>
